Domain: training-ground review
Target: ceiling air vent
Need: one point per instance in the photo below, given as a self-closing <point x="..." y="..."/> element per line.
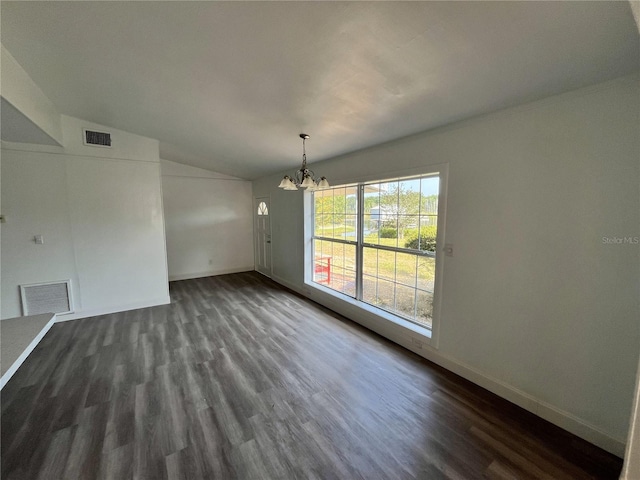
<point x="50" y="297"/>
<point x="97" y="139"/>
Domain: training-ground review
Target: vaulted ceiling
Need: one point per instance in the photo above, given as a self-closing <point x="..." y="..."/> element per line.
<point x="229" y="85"/>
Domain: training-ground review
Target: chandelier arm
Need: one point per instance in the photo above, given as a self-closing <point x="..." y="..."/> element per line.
<point x="298" y="177"/>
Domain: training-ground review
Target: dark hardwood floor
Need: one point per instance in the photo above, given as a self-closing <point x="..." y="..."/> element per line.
<point x="240" y="378"/>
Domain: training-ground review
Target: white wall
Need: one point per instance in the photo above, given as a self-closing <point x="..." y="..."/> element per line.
<point x="209" y="222"/>
<point x="21" y="92"/>
<point x="536" y="307"/>
<point x="100" y="213"/>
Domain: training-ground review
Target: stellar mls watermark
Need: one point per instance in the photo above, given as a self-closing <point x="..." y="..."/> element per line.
<point x="620" y="240"/>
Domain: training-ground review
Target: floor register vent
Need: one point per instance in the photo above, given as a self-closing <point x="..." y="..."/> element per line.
<point x="50" y="297"/>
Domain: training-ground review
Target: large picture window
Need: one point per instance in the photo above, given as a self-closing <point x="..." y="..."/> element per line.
<point x="376" y="242"/>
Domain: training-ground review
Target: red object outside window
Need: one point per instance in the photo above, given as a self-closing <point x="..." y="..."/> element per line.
<point x="322" y="270"/>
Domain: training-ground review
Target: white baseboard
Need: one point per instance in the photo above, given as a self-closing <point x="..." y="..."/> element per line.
<point x="410" y="341"/>
<point x="551" y="413"/>
<point x="210" y="273"/>
<point x="113" y="309"/>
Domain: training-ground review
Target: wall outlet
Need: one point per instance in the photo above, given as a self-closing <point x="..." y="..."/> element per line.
<point x="416" y="343"/>
<point x="211" y="261"/>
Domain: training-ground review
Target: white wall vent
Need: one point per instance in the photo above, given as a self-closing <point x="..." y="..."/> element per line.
<point x="50" y="297"/>
<point x="97" y="139"/>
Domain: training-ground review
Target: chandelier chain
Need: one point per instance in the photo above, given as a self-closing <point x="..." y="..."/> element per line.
<point x="304" y="154"/>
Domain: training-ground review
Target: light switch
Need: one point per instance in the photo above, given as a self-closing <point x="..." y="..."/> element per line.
<point x="39" y="239"/>
<point x="448" y="249"/>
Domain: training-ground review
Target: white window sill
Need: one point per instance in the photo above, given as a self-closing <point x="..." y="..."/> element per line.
<point x="372" y="311"/>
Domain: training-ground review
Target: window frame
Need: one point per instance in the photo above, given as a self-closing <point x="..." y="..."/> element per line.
<point x="441" y="170"/>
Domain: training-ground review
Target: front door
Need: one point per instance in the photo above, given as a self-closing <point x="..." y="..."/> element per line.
<point x="263" y="236"/>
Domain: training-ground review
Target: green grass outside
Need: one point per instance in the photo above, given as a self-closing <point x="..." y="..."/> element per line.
<point x="380" y="263"/>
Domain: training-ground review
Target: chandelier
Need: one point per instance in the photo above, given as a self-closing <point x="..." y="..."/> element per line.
<point x="304" y="177"/>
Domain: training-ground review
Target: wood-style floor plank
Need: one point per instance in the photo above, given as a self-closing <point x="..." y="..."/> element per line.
<point x="239" y="378"/>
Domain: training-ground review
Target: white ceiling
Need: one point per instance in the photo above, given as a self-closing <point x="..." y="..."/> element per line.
<point x="229" y="85"/>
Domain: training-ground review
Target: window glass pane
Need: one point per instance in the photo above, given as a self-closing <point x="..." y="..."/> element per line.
<point x="371" y="197"/>
<point x="338" y="225"/>
<point x="430" y="188"/>
<point x="388" y="214"/>
<point x="388" y="232"/>
<point x="428" y="233"/>
<point x="317" y="224"/>
<point x="369" y="289"/>
<point x="385" y="297"/>
<point x="407" y="229"/>
<point x="424" y="308"/>
<point x="327" y="200"/>
<point x="405" y="301"/>
<point x="334" y="266"/>
<point x="370" y="261"/>
<point x="320" y="200"/>
<point x="350" y="258"/>
<point x="371" y="228"/>
<point x="429" y="205"/>
<point x="372" y="213"/>
<point x="338" y="210"/>
<point x="409" y="197"/>
<point x="350" y="227"/>
<point x="352" y="200"/>
<point x="349" y="286"/>
<point x="327" y="250"/>
<point x="411" y="237"/>
<point x="389" y="194"/>
<point x="387" y="265"/>
<point x="337" y="278"/>
<point x="426" y="273"/>
<point x="370" y="273"/>
<point x="321" y="262"/>
<point x="428" y="221"/>
<point x="323" y="204"/>
<point x="339" y="206"/>
<point x="429" y="213"/>
<point x="406" y="269"/>
<point x="337" y="254"/>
